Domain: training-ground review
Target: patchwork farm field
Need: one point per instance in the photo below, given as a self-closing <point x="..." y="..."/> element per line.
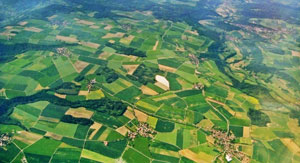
<point x="150" y="81"/>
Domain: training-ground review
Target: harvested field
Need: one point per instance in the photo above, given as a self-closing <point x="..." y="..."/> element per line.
<point x="142" y="117"/>
<point x="112" y="41"/>
<point x="166" y="68"/>
<point x="49" y="119"/>
<point x="127" y="40"/>
<point x="80" y="65"/>
<point x="94" y="27"/>
<point x="96" y="126"/>
<point x="122" y="130"/>
<point x="215" y="101"/>
<point x="9" y="27"/>
<point x="130" y="68"/>
<point x="90" y="44"/>
<point x="148" y="91"/>
<point x="39" y="87"/>
<point x="80" y="113"/>
<point x="85" y="22"/>
<point x="199" y="157"/>
<point x="295" y="53"/>
<point x="129" y="113"/>
<point x="210" y="139"/>
<point x="60" y="95"/>
<point x="114" y="35"/>
<point x="33" y="29"/>
<point x="66" y="39"/>
<point x="179" y="48"/>
<point x="83" y="93"/>
<point x="108" y="27"/>
<point x="54" y="136"/>
<point x="27" y="137"/>
<point x="155" y="46"/>
<point x="52" y="17"/>
<point x="193" y="32"/>
<point x="104" y="55"/>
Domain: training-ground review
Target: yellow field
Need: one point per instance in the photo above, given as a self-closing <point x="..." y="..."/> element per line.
<point x="295" y="129"/>
<point x="197" y="157"/>
<point x="164" y="152"/>
<point x="147" y="106"/>
<point x="168" y="96"/>
<point x="95" y="95"/>
<point x="152" y="121"/>
<point x="256" y="132"/>
<point x="246" y="132"/>
<point x="291" y="145"/>
<point x="96" y="156"/>
<point x="211" y="115"/>
<point x="205" y="123"/>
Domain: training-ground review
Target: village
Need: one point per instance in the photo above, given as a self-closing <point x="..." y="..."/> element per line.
<point x="226" y="142"/>
<point x="143" y="130"/>
<point x="5" y="139"/>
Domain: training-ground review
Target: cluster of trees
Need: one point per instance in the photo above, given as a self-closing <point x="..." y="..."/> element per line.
<point x="8" y="52"/>
<point x="74" y="120"/>
<point x="104" y="105"/>
<point x="109" y="74"/>
<point x="258" y="118"/>
<point x="126" y="50"/>
<point x="68" y="88"/>
<point x="295" y="114"/>
<point x="144" y="74"/>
